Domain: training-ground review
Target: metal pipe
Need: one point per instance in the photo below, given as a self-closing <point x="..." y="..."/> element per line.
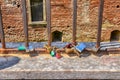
<point x="48" y="8"/>
<point x="100" y="16"/>
<point x="74" y="20"/>
<point x="25" y="21"/>
<point x="2" y="30"/>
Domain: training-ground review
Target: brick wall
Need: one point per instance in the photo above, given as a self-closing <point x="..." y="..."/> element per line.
<point x="13" y="25"/>
<point x="12" y="22"/>
<point x="88" y="19"/>
<point x="61" y="18"/>
<point x="111" y="18"/>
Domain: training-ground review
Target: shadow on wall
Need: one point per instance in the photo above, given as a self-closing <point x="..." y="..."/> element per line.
<point x="115" y="35"/>
<point x="56" y="36"/>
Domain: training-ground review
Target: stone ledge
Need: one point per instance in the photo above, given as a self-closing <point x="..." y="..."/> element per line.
<point x="59" y="75"/>
<point x="47" y="67"/>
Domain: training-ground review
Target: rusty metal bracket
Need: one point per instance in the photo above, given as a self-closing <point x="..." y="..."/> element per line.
<point x="2" y="30"/>
<point x="74" y="20"/>
<point x="100" y="16"/>
<point x="25" y="21"/>
<point x="48" y="8"/>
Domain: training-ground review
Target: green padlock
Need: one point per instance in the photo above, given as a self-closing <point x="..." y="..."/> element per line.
<point x="21" y="48"/>
<point x="52" y="53"/>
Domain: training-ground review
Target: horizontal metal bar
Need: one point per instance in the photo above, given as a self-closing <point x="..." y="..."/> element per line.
<point x="109" y="44"/>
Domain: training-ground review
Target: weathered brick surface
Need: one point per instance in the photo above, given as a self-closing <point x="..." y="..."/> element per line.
<point x="61" y="18"/>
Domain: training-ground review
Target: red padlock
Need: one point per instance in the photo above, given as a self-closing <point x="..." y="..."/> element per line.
<point x="58" y="55"/>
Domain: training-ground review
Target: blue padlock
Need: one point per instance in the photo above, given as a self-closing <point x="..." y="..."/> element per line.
<point x="31" y="48"/>
<point x="80" y="47"/>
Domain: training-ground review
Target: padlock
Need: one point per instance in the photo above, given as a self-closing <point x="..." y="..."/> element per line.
<point x="80" y="47"/>
<point x="21" y="48"/>
<point x="52" y="53"/>
<point x="58" y="55"/>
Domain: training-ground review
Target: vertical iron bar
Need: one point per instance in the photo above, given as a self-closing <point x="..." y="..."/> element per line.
<point x="74" y="20"/>
<point x="25" y="21"/>
<point x="100" y="16"/>
<point x="2" y="30"/>
<point x="48" y="8"/>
